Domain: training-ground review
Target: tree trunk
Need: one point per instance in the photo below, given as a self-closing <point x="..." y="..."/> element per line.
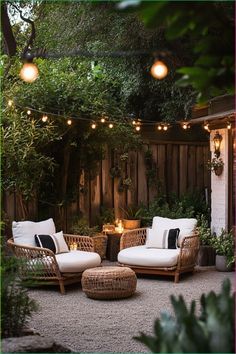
<point x="9" y="39"/>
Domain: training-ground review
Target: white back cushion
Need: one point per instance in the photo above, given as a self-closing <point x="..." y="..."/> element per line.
<point x="23" y="231"/>
<point x="187" y="226"/>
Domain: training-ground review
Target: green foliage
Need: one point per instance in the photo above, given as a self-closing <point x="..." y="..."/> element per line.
<point x="17" y="307"/>
<point x="80" y="227"/>
<point x="210" y="332"/>
<point x="107" y="216"/>
<point x="132" y="212"/>
<point x="201" y="24"/>
<point x="224" y="245"/>
<point x="204" y="231"/>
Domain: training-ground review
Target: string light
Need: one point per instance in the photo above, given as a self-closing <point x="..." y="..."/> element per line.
<point x="159" y="127"/>
<point x="29" y="72"/>
<point x="134" y="122"/>
<point x="110" y="125"/>
<point x="44" y="118"/>
<point x="159" y="70"/>
<point x="69" y="121"/>
<point x="206" y="126"/>
<point x="103" y="120"/>
<point x="93" y="126"/>
<point x="165" y="127"/>
<point x="10" y="103"/>
<point x="185" y="125"/>
<point x="228" y="125"/>
<point x="137" y="128"/>
<point x="28" y="112"/>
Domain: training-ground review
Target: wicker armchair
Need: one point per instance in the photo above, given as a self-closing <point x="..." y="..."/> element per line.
<point x="40" y="266"/>
<point x="186" y="260"/>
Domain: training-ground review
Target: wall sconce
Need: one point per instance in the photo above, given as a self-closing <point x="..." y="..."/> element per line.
<point x="217" y="142"/>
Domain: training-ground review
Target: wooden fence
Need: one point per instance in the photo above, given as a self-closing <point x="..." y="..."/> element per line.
<point x="174" y="167"/>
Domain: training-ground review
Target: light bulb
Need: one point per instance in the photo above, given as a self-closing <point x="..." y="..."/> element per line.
<point x="134" y="122"/>
<point x="206" y="126"/>
<point x="69" y="121"/>
<point x="159" y="127"/>
<point x="102" y="120"/>
<point x="110" y="125"/>
<point x="185" y="126"/>
<point x="28" y="112"/>
<point x="165" y="127"/>
<point x="228" y="125"/>
<point x="138" y="128"/>
<point x="93" y="126"/>
<point x="10" y="103"/>
<point x="159" y="70"/>
<point x="29" y="72"/>
<point x="44" y="118"/>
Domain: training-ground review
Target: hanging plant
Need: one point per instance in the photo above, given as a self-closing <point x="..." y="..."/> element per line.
<point x="115" y="171"/>
<point x="216" y="165"/>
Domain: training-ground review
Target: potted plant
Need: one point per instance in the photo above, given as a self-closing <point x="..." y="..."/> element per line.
<point x="206" y="254"/>
<point x="224" y="246"/>
<point x="216" y="165"/>
<point x="132" y="217"/>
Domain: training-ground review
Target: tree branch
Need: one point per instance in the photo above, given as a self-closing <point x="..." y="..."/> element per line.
<point x="9" y="39"/>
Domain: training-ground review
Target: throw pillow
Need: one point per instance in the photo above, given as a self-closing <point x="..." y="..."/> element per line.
<point x="55" y="242"/>
<point x="164" y="239"/>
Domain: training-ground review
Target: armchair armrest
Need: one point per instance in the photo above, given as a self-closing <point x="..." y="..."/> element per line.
<point x="136" y="237"/>
<point x="35" y="261"/>
<point x="84" y="243"/>
<point x="188" y="250"/>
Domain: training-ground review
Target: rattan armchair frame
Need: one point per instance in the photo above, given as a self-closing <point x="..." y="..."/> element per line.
<point x="39" y="265"/>
<point x="186" y="261"/>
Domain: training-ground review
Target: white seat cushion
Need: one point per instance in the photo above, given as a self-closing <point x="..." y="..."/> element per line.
<point x="23" y="231"/>
<point x="187" y="226"/>
<point x="148" y="257"/>
<point x="77" y="261"/>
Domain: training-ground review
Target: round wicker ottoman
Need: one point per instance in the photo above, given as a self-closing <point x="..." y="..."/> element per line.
<point x="109" y="282"/>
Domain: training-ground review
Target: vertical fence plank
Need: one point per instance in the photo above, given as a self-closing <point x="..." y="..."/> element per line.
<point x="95" y="199"/>
<point x="132" y="173"/>
<point x="174" y="170"/>
<point x="192" y="168"/>
<point x="142" y="180"/>
<point x="183" y="168"/>
<point x="200" y="167"/>
<point x="161" y="158"/>
<point x="107" y="183"/>
<point x="153" y="187"/>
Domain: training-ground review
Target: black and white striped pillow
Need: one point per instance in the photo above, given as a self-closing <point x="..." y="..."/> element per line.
<point x="165" y="239"/>
<point x="55" y="242"/>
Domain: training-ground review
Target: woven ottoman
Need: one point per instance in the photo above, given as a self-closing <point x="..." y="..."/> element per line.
<point x="109" y="282"/>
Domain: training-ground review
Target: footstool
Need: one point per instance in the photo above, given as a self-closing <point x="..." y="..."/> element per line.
<point x="109" y="282"/>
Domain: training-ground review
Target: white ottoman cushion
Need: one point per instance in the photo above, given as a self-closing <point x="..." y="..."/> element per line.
<point x="77" y="261"/>
<point x="23" y="231"/>
<point x="148" y="257"/>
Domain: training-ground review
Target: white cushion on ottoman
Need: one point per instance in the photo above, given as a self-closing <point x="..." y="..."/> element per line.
<point x="77" y="261"/>
<point x="148" y="257"/>
<point x="23" y="231"/>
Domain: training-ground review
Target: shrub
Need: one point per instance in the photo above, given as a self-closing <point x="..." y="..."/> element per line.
<point x="211" y="332"/>
<point x="80" y="227"/>
<point x="17" y="307"/>
<point x="224" y="245"/>
<point x="204" y="231"/>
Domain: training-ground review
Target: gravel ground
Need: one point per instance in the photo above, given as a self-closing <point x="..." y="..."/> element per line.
<point x="90" y="326"/>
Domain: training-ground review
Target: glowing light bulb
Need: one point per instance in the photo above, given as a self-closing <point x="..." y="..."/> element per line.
<point x="103" y="120"/>
<point x="159" y="70"/>
<point x="44" y="118"/>
<point x="29" y="72"/>
<point x="28" y="112"/>
<point x="134" y="122"/>
<point x="69" y="121"/>
<point x="206" y="126"/>
<point x="138" y="128"/>
<point x="110" y="125"/>
<point x="228" y="125"/>
<point x="185" y="126"/>
<point x="159" y="127"/>
<point x="93" y="126"/>
<point x="165" y="127"/>
<point x="10" y="103"/>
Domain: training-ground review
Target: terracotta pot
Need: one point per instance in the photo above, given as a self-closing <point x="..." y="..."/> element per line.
<point x="131" y="224"/>
<point x="221" y="264"/>
<point x="218" y="170"/>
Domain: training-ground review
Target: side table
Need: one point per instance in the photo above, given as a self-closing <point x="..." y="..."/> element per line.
<point x="113" y="245"/>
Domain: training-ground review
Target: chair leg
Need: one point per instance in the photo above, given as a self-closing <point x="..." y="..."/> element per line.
<point x="176" y="277"/>
<point x="62" y="287"/>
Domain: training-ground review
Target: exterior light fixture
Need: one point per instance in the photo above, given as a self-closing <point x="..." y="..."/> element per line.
<point x="44" y="118"/>
<point x="110" y="125"/>
<point x="159" y="70"/>
<point x="28" y="112"/>
<point x="206" y="126"/>
<point x="217" y="142"/>
<point x="228" y="125"/>
<point x="185" y="125"/>
<point x="93" y="126"/>
<point x="69" y="121"/>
